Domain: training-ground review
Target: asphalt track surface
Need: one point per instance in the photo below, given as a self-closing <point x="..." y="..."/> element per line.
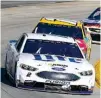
<point x="16" y="20"/>
<point x="9" y="4"/>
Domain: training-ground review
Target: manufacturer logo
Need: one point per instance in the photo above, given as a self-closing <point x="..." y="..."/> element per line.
<point x="59" y="67"/>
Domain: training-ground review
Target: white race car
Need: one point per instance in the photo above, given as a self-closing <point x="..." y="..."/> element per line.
<point x="49" y="62"/>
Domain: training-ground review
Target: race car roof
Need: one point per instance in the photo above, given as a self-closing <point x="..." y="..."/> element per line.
<point x="59" y="21"/>
<point x="50" y="37"/>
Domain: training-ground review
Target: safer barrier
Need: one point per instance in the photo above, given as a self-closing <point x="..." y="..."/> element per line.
<point x="98" y="73"/>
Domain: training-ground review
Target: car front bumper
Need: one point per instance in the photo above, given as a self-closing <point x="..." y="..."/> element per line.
<point x="34" y="82"/>
<point x="73" y="89"/>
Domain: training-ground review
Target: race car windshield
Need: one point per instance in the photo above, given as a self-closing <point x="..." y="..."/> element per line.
<point x="95" y="15"/>
<point x="63" y="30"/>
<point x="52" y="47"/>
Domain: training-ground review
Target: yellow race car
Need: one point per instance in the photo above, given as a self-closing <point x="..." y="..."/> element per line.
<point x="68" y="28"/>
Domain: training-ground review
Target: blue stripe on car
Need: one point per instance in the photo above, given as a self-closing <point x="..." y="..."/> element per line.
<point x="60" y="58"/>
<point x="73" y="60"/>
<point x="49" y="57"/>
<point x="37" y="57"/>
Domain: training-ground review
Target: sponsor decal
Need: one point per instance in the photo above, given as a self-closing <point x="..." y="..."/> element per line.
<point x="64" y="66"/>
<point x="57" y="82"/>
<point x="50" y="64"/>
<point x="58" y="68"/>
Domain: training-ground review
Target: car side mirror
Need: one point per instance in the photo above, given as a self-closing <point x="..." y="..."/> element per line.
<point x="13" y="42"/>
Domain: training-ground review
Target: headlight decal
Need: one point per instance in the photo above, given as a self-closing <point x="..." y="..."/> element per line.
<point x="86" y="73"/>
<point x="27" y="67"/>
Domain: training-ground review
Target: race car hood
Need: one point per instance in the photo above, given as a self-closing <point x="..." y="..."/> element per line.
<point x="54" y="63"/>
